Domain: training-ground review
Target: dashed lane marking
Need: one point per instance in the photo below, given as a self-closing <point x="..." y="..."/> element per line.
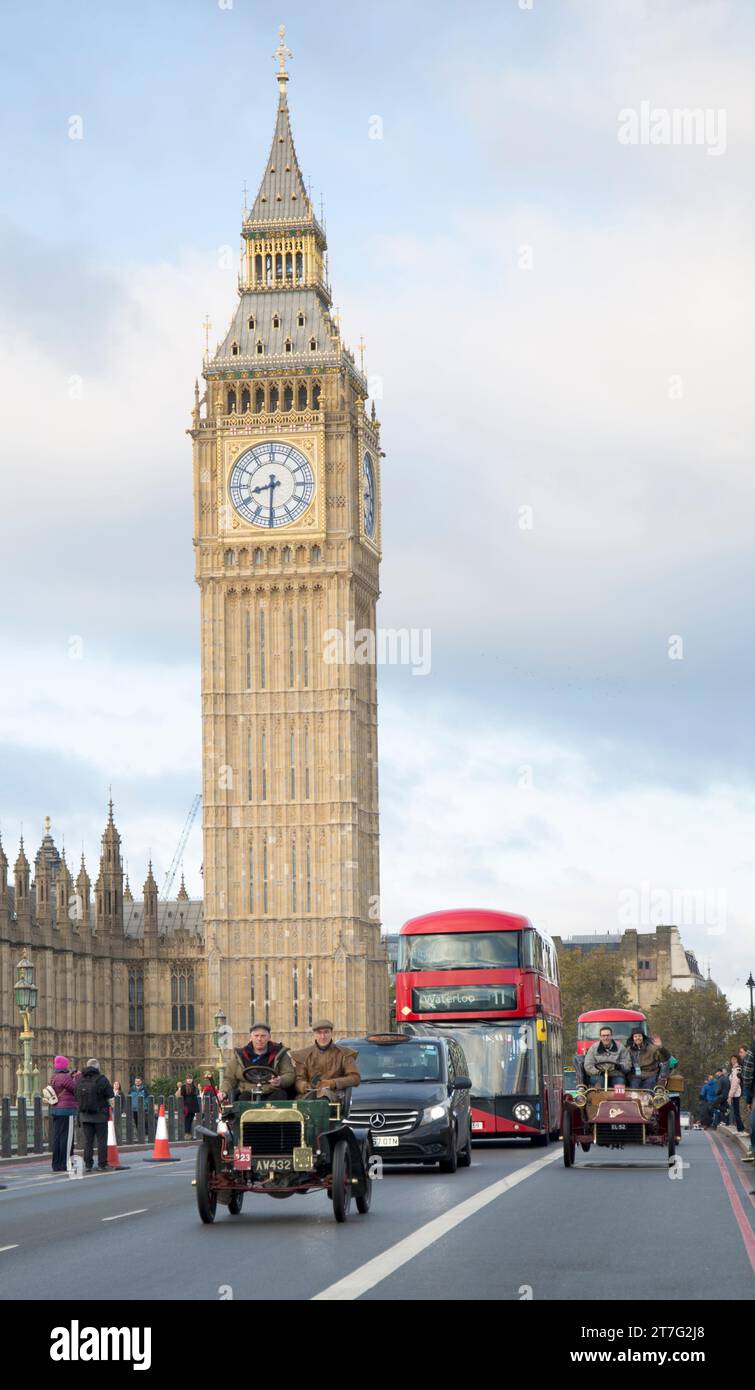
<point x="7" y="1247"/>
<point x="372" y="1273"/>
<point x="138" y="1212"/>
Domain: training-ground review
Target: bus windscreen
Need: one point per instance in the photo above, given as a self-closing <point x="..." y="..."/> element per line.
<point x="459" y="951"/>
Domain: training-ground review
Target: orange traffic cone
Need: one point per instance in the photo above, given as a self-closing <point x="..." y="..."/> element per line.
<point x="161" y="1152"/>
<point x="113" y="1157"/>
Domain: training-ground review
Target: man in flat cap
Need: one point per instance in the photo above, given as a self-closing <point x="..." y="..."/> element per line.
<point x="325" y="1068"/>
<point x="260" y="1051"/>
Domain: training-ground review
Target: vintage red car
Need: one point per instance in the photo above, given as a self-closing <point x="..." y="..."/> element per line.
<point x="613" y="1116"/>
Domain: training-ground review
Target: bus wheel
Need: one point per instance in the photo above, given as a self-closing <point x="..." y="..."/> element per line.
<point x="539" y="1141"/>
<point x="567" y="1131"/>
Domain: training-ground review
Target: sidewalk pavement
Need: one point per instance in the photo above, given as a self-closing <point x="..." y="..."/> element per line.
<point x="741" y="1138"/>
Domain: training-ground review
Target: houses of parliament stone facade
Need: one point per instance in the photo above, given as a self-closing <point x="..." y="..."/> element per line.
<point x="286" y="476"/>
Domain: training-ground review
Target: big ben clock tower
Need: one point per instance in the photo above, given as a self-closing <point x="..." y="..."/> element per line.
<point x="287" y="537"/>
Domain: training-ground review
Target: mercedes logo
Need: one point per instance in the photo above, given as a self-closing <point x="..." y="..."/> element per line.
<point x="377" y="1121"/>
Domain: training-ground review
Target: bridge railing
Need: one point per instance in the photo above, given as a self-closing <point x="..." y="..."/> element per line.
<point x="26" y="1128"/>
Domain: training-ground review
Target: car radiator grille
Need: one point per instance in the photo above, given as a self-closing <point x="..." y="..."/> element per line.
<point x="396" y="1121"/>
<point x="270" y="1138"/>
<point x="633" y="1134"/>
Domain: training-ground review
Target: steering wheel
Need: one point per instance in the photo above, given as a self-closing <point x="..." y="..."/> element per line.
<point x="259" y="1073"/>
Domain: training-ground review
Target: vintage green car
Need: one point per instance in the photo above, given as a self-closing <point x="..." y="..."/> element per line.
<point x="281" y="1149"/>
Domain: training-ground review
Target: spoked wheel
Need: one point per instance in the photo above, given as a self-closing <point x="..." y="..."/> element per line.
<point x="671" y="1136"/>
<point x="364" y="1199"/>
<point x="341" y="1180"/>
<point x="567" y="1130"/>
<point x="236" y="1203"/>
<point x="207" y="1201"/>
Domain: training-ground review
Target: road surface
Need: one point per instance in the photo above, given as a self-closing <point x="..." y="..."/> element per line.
<point x="515" y="1225"/>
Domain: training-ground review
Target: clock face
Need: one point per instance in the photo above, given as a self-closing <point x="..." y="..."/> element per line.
<point x="368" y="496"/>
<point x="271" y="484"/>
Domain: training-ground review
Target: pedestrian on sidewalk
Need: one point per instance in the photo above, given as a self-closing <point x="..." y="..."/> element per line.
<point x="735" y="1091"/>
<point x="188" y="1093"/>
<point x="63" y="1082"/>
<point x="138" y="1089"/>
<point x="94" y="1093"/>
<point x="748" y="1079"/>
<point x="117" y="1090"/>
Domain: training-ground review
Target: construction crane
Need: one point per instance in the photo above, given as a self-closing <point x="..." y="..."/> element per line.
<point x="181" y="846"/>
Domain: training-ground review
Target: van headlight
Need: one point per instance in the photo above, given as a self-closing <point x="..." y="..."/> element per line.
<point x="523" y="1112"/>
<point x="434" y="1112"/>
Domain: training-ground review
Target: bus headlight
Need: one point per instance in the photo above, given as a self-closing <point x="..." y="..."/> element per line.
<point x="523" y="1112"/>
<point x="434" y="1112"/>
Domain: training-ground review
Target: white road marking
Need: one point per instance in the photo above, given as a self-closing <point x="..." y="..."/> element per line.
<point x="138" y="1212"/>
<point x="372" y="1273"/>
<point x="7" y="1247"/>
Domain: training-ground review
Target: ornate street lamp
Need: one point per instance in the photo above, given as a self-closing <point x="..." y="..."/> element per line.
<point x="751" y="986"/>
<point x="26" y="1002"/>
<point x="219" y="1040"/>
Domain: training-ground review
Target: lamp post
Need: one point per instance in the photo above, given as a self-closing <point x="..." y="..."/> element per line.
<point x="218" y="1038"/>
<point x="751" y="986"/>
<point x="27" y="1076"/>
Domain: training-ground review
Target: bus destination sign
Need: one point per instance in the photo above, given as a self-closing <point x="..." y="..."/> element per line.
<point x="463" y="999"/>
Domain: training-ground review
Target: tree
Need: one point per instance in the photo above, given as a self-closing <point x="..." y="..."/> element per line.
<point x="701" y="1029"/>
<point x="593" y="980"/>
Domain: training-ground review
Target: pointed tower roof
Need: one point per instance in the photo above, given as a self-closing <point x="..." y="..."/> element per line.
<point x="82" y="878"/>
<point x="3" y="856"/>
<point x="21" y="862"/>
<point x="183" y="896"/>
<point x="128" y="896"/>
<point x="282" y="194"/>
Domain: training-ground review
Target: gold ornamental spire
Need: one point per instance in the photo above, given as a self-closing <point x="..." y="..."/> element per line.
<point x="281" y="53"/>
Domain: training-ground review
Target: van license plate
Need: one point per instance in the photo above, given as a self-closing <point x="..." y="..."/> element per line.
<point x="385" y="1141"/>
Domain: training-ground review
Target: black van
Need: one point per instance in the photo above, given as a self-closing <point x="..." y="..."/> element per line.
<point x="414" y="1098"/>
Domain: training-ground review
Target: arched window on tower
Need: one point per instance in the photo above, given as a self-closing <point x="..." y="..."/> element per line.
<point x="316" y="395"/>
<point x="246" y="400"/>
<point x="260" y="348"/>
<point x="300" y="319"/>
<point x="231" y="403"/>
<point x="301" y="403"/>
<point x="289" y="267"/>
<point x="288" y="345"/>
<point x="250" y="320"/>
<point x="273" y="406"/>
<point x="182" y="998"/>
<point x="313" y="345"/>
<point x="234" y="349"/>
<point x="299" y="267"/>
<point x="269" y="269"/>
<point x="279" y="266"/>
<point x="286" y="554"/>
<point x="258" y="555"/>
<point x="276" y="321"/>
<point x="259" y="400"/>
<point x="288" y="396"/>
<point x="258" y="268"/>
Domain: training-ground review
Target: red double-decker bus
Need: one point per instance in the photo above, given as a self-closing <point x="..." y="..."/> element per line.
<point x="620" y="1021"/>
<point x="490" y="979"/>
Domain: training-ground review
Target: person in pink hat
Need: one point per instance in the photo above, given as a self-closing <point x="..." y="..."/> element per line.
<point x="63" y="1083"/>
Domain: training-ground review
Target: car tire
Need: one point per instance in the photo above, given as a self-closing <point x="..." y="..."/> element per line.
<point x="671" y="1137"/>
<point x="450" y="1164"/>
<point x="567" y="1131"/>
<point x="465" y="1156"/>
<point x="207" y="1201"/>
<point x="341" y="1180"/>
<point x="236" y="1203"/>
